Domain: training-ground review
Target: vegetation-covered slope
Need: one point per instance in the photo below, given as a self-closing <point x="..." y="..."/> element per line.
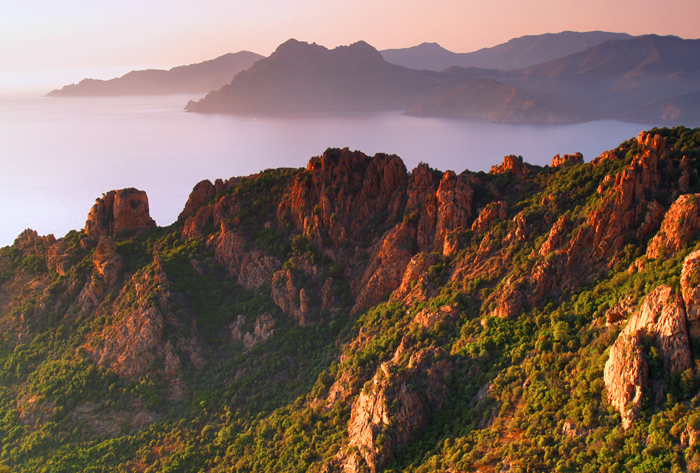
<point x="352" y="316"/>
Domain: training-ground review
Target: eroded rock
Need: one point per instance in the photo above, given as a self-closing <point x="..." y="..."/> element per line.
<point x="124" y="210"/>
<point x="680" y="225"/>
<point x="576" y="158"/>
<point x="662" y="318"/>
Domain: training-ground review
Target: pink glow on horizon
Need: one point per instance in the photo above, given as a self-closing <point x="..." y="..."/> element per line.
<point x="40" y="35"/>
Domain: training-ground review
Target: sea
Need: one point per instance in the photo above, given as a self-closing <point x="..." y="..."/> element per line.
<point x="57" y="155"/>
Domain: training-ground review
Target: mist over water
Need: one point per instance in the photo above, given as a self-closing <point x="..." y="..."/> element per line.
<point x="57" y="155"/>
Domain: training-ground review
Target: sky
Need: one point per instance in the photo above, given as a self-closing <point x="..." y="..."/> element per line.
<point x="45" y="40"/>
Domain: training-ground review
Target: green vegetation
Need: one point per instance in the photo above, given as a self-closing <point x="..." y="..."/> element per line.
<point x="522" y="393"/>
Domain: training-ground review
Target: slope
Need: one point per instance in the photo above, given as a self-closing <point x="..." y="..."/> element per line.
<point x="355" y="316"/>
<point x="200" y="77"/>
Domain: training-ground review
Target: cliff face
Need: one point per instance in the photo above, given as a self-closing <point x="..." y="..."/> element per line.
<point x="359" y="310"/>
<point x="125" y="210"/>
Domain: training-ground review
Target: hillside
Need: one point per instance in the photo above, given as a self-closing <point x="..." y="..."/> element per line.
<point x="648" y="79"/>
<point x="515" y="54"/>
<point x="302" y="76"/>
<point x="357" y="316"/>
<point x="201" y="77"/>
<point x="618" y="76"/>
<point x="487" y="99"/>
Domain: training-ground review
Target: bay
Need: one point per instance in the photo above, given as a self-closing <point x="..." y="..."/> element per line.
<point x="57" y="155"/>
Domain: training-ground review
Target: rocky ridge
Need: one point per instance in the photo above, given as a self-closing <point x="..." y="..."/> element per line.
<point x="442" y="256"/>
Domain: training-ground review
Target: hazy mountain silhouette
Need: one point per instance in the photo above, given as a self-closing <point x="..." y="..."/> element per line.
<point x="674" y="110"/>
<point x="500" y="103"/>
<point x="302" y="76"/>
<point x="201" y="77"/>
<point x="612" y="80"/>
<point x="617" y="76"/>
<point x="517" y="53"/>
<point x="642" y="79"/>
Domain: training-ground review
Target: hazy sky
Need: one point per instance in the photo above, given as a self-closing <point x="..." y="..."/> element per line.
<point x="104" y="36"/>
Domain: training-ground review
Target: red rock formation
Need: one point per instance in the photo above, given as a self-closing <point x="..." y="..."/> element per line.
<point x="625" y="376"/>
<point x="119" y="211"/>
<point x="603" y="156"/>
<point x="288" y="297"/>
<point x="200" y="195"/>
<point x="415" y="270"/>
<point x="619" y="212"/>
<point x="662" y="317"/>
<point x="556" y="236"/>
<point x="510" y="301"/>
<point x="576" y="158"/>
<point x="107" y="260"/>
<point x="251" y="268"/>
<point x="387" y="264"/>
<point x="489" y="215"/>
<point x="341" y="191"/>
<point x="263" y="329"/>
<point x="454" y="202"/>
<point x="620" y="312"/>
<point x="136" y="341"/>
<point x="385" y="416"/>
<point x="511" y="163"/>
<point x="388" y="412"/>
<point x="652" y="219"/>
<point x="690" y="289"/>
<point x="422" y="206"/>
<point x="680" y="225"/>
<point x="29" y="243"/>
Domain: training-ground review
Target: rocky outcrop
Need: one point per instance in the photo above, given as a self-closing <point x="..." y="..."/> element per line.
<point x="690" y="289"/>
<point x="293" y="301"/>
<point x="135" y="343"/>
<point x="576" y="158"/>
<point x="201" y="194"/>
<point x="680" y="225"/>
<point x="621" y="211"/>
<point x="489" y="215"/>
<point x="386" y="267"/>
<point x="556" y="236"/>
<point x="251" y="268"/>
<point x="29" y="243"/>
<point x="107" y="260"/>
<point x="263" y="329"/>
<point x="626" y="373"/>
<point x="513" y="164"/>
<point x="124" y="210"/>
<point x="620" y="311"/>
<point x="385" y="416"/>
<point x="454" y="211"/>
<point x="652" y="219"/>
<point x="509" y="301"/>
<point x="416" y="271"/>
<point x="689" y="437"/>
<point x="662" y="318"/>
<point x="389" y="412"/>
<point x="342" y="193"/>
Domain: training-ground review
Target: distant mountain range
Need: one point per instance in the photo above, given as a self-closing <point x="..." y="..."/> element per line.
<point x="617" y="79"/>
<point x="516" y="54"/>
<point x="302" y="76"/>
<point x="201" y="77"/>
<point x="500" y="103"/>
<point x="651" y="79"/>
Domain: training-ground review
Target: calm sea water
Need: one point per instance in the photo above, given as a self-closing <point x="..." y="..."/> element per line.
<point x="57" y="155"/>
